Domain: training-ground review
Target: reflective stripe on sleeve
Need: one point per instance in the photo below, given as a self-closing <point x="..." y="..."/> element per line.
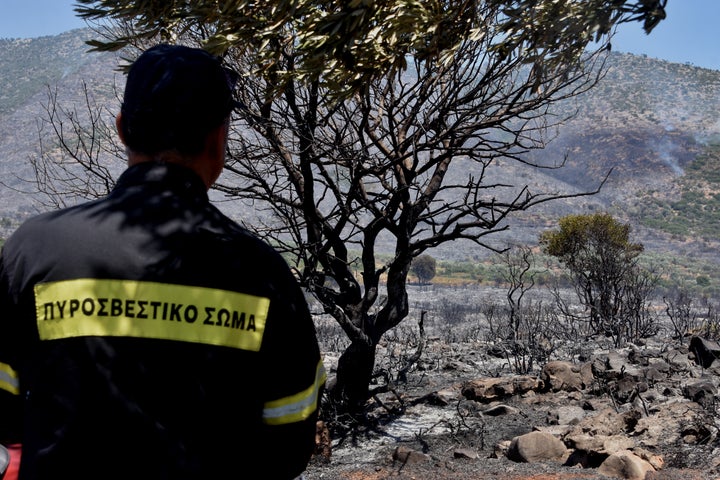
<point x="130" y="308"/>
<point x="297" y="407"/>
<point x="9" y="379"/>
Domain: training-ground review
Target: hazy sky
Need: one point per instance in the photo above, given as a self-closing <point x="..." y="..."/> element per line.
<point x="690" y="33"/>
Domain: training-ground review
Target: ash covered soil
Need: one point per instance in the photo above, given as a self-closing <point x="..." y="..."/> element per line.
<point x="463" y="404"/>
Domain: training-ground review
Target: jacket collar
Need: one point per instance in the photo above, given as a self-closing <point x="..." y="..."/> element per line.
<point x="172" y="176"/>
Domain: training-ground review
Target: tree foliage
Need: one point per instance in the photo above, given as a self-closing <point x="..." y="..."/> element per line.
<point x="597" y="251"/>
<point x="352" y="188"/>
<point x="350" y="43"/>
<point x="591" y="244"/>
<point x="424" y="267"/>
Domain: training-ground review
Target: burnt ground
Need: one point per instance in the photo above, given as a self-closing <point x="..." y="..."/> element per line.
<point x="409" y="434"/>
<point x="372" y="454"/>
<point x="373" y="457"/>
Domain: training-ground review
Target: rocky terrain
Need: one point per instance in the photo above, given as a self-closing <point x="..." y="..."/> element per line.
<point x="644" y="411"/>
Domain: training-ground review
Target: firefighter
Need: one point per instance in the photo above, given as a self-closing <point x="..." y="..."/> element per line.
<point x="146" y="335"/>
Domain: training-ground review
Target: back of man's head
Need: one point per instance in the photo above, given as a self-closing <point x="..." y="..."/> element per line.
<point x="174" y="96"/>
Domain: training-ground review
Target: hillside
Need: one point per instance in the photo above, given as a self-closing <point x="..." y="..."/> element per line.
<point x="33" y="71"/>
<point x="655" y="124"/>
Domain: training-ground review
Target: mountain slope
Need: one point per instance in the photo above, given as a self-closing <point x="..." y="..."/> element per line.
<point x="654" y="124"/>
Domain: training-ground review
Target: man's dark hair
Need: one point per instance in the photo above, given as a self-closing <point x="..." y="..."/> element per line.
<point x="174" y="96"/>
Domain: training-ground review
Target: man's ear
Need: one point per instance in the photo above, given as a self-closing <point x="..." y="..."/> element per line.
<point x="118" y="126"/>
<point x="213" y="157"/>
<point x="216" y="140"/>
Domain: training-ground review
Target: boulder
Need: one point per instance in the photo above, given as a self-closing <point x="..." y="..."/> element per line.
<point x="466" y="453"/>
<point x="702" y="392"/>
<point x="706" y="351"/>
<point x="667" y="424"/>
<point x="406" y="455"/>
<point x="626" y="388"/>
<point x="491" y="389"/>
<point x="565" y="376"/>
<point x="625" y="465"/>
<point x="599" y="444"/>
<point x="566" y="415"/>
<point x="608" y="422"/>
<point x="501" y="409"/>
<point x="537" y="447"/>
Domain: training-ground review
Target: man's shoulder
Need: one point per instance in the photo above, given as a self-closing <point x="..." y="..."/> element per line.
<point x="250" y="240"/>
<point x="233" y="228"/>
<point x="42" y="223"/>
<point x="246" y="242"/>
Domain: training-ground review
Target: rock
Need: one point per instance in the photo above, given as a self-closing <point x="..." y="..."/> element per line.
<point x="613" y="366"/>
<point x="594" y="404"/>
<point x="566" y="415"/>
<point x="625" y="465"/>
<point x="501" y="409"/>
<point x="660" y="365"/>
<point x="440" y="398"/>
<point x="706" y="351"/>
<point x="702" y="431"/>
<point x="618" y="362"/>
<point x="565" y="376"/>
<point x="655" y="460"/>
<point x="639" y="358"/>
<point x="469" y="408"/>
<point x="608" y="422"/>
<point x="653" y="374"/>
<point x="490" y="389"/>
<point x="679" y="361"/>
<point x="465" y="453"/>
<point x="626" y="388"/>
<point x="599" y="444"/>
<point x="455" y="366"/>
<point x="702" y="392"/>
<point x="501" y="449"/>
<point x="408" y="456"/>
<point x="496" y="351"/>
<point x="537" y="447"/>
<point x="665" y="427"/>
<point x="557" y="430"/>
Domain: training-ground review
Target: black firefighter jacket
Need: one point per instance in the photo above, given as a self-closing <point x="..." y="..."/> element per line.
<point x="147" y="336"/>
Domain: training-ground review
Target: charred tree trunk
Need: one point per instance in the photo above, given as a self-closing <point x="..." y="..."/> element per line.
<point x="354" y="374"/>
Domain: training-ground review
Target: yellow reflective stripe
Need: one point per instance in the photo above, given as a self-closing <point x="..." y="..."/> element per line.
<point x="9" y="379"/>
<point x="298" y="407"/>
<point x="129" y="308"/>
